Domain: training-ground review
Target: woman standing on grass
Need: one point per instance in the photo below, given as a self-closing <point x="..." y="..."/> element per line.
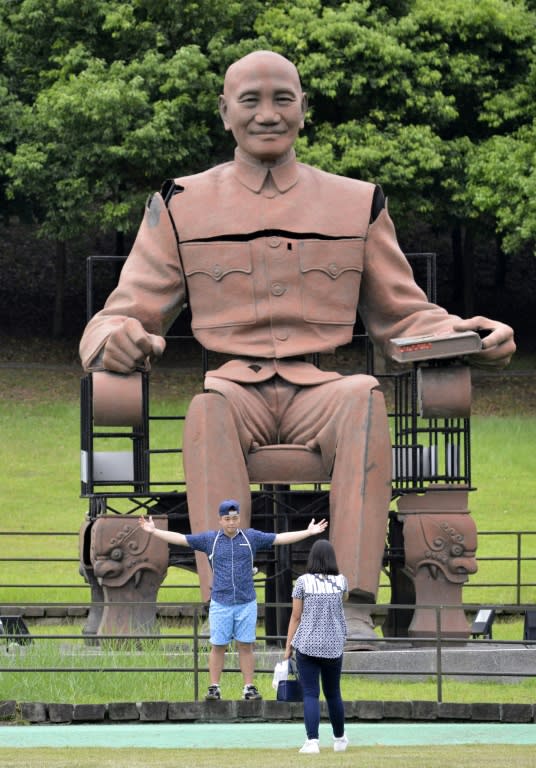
<point x="317" y="631"/>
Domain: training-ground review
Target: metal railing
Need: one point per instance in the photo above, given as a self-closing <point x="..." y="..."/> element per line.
<point x="440" y="666"/>
<point x="517" y="548"/>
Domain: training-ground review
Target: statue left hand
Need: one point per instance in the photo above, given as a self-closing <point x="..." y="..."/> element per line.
<point x="498" y="345"/>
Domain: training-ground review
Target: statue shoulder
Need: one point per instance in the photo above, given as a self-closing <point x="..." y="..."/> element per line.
<point x="333" y="180"/>
<point x="194" y="181"/>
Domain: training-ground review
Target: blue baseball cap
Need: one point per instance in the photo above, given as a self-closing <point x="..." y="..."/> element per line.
<point x="228" y="506"/>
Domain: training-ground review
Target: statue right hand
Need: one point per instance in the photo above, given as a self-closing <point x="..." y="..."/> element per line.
<point x="130" y="347"/>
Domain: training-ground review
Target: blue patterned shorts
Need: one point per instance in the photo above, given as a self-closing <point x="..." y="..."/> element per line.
<point x="232" y="622"/>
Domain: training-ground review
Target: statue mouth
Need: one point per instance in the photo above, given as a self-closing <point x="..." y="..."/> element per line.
<point x="105" y="569"/>
<point x="456" y="575"/>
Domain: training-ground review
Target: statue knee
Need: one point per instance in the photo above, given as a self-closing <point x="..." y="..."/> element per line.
<point x="355" y="389"/>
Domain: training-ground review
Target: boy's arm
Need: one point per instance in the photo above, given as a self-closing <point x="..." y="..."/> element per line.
<point x="291" y="537"/>
<point x="172" y="537"/>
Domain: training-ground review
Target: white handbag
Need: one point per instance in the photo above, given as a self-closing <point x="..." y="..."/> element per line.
<point x="280" y="673"/>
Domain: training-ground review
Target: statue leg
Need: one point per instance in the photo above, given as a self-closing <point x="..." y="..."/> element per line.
<point x="361" y="493"/>
<point x="362" y="476"/>
<point x="353" y="437"/>
<point x="214" y="468"/>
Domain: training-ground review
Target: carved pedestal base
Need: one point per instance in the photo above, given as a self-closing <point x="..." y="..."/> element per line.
<point x="125" y="570"/>
<point x="91" y="627"/>
<point x="440" y="543"/>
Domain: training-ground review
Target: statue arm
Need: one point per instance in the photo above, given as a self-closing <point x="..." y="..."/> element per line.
<point x="391" y="304"/>
<point x="128" y="332"/>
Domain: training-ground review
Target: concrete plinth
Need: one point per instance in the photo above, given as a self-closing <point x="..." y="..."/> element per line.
<point x="496" y="662"/>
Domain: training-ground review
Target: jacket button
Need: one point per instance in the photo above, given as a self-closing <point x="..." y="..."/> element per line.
<point x="278" y="289"/>
<point x="274" y="242"/>
<point x="217" y="271"/>
<point x="333" y="268"/>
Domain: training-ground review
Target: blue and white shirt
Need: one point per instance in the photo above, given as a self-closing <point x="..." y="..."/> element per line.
<point x="232" y="561"/>
<point x="322" y="628"/>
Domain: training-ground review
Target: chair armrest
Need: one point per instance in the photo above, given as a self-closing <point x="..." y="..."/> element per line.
<point x="444" y="391"/>
<point x="118" y="398"/>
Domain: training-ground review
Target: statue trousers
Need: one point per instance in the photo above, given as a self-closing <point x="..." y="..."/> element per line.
<point x="344" y="419"/>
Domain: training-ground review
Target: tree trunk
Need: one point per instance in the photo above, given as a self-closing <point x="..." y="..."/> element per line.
<point x="60" y="268"/>
<point x="119" y="243"/>
<point x="501" y="268"/>
<point x="119" y="251"/>
<point x="463" y="254"/>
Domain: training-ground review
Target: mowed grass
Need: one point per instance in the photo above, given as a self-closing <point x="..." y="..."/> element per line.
<point x="65" y="670"/>
<point x="423" y="756"/>
<point x="39" y="450"/>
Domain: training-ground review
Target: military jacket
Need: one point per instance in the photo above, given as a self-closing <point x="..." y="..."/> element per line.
<point x="275" y="264"/>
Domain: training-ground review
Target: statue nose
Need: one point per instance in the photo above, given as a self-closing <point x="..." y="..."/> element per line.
<point x="464" y="565"/>
<point x="267" y="115"/>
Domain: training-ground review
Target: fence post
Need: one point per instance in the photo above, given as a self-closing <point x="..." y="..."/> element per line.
<point x="196" y="654"/>
<point x="439" y="668"/>
<point x="518" y="568"/>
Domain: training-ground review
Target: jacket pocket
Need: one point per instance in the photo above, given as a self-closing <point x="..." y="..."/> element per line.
<point x="331" y="277"/>
<point x="220" y="283"/>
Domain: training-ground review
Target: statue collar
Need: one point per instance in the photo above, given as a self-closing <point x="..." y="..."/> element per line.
<point x="253" y="175"/>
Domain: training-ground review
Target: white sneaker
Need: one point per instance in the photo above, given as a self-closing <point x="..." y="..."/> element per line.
<point x="340" y="743"/>
<point x="310" y="747"/>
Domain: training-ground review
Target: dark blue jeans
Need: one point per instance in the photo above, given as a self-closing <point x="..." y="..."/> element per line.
<point x="311" y="670"/>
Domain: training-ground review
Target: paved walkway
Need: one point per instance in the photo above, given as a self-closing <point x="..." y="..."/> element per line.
<point x="258" y="735"/>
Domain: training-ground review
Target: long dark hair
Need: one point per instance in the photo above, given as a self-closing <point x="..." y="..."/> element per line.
<point x="322" y="559"/>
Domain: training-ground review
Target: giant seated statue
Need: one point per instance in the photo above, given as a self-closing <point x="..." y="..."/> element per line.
<point x="275" y="259"/>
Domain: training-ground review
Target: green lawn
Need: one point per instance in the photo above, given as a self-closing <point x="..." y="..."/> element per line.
<point x="39" y="414"/>
<point x="461" y="756"/>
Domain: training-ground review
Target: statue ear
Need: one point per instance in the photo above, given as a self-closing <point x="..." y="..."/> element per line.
<point x="222" y="106"/>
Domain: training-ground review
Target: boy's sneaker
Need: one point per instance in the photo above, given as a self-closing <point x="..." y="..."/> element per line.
<point x="213" y="693"/>
<point x="250" y="692"/>
<point x="340" y="743"/>
<point x="310" y="747"/>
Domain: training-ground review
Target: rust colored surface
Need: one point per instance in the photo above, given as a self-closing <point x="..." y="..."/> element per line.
<point x="275" y="258"/>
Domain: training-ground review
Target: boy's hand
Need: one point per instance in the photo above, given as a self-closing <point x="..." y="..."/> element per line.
<point x="147" y="525"/>
<point x="316" y="528"/>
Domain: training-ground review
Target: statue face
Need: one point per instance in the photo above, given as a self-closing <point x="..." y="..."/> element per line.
<point x="263" y="105"/>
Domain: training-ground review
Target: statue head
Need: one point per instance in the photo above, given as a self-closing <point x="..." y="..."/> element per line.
<point x="263" y="105"/>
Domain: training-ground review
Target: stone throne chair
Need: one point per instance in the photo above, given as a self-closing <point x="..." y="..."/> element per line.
<point x="431" y="540"/>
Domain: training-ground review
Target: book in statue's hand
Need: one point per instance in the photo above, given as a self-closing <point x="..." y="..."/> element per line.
<point x="415" y="348"/>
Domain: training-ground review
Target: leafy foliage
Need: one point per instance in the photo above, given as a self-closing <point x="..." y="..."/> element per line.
<point x="101" y="100"/>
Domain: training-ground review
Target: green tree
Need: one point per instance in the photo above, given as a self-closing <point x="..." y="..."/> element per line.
<point x="100" y="100"/>
<point x="117" y="96"/>
<point x="502" y="173"/>
<point x="406" y="99"/>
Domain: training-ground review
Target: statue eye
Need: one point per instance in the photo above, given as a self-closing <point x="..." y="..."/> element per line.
<point x="456" y="550"/>
<point x="116" y="554"/>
